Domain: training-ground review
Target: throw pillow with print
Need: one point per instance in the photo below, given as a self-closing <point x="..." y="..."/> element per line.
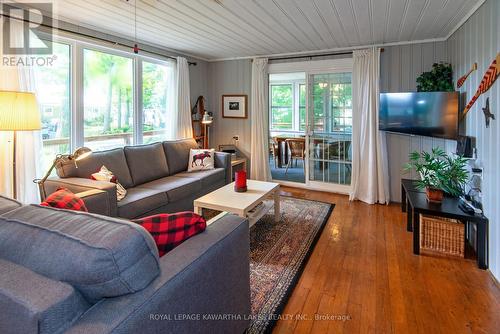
<point x="201" y="159"/>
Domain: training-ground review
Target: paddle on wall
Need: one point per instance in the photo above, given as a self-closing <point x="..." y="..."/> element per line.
<point x="464" y="77"/>
<point x="488" y="79"/>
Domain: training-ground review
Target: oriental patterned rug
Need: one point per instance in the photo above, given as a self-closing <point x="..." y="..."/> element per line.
<point x="278" y="254"/>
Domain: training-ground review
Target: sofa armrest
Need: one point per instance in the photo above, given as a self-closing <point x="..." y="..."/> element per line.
<point x="223" y="160"/>
<point x="80" y="185"/>
<point x="96" y="201"/>
<point x="209" y="274"/>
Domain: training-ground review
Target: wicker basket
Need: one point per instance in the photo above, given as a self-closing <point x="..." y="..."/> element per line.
<point x="442" y="235"/>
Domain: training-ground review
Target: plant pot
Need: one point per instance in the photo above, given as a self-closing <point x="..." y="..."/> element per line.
<point x="434" y="195"/>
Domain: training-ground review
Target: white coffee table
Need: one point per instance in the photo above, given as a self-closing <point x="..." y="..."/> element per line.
<point x="249" y="204"/>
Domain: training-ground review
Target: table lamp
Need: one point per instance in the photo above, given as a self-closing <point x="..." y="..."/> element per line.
<point x="79" y="154"/>
<point x="206" y="121"/>
<point x="18" y="112"/>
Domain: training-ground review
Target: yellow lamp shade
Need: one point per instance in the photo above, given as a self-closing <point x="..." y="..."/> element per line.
<point x="19" y="111"/>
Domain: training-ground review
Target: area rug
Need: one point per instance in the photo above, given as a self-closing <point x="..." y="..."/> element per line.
<point x="278" y="254"/>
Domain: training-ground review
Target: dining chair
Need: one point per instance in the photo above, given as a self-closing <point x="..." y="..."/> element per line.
<point x="273" y="146"/>
<point x="297" y="148"/>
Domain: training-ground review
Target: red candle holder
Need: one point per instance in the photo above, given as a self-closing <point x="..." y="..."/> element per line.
<point x="240" y="181"/>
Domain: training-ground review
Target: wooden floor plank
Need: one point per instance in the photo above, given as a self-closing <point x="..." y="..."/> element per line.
<point x="363" y="267"/>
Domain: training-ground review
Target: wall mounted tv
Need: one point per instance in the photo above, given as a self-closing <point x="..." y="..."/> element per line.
<point x="433" y="114"/>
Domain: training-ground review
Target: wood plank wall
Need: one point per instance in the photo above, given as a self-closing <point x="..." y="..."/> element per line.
<point x="478" y="40"/>
<point x="399" y="68"/>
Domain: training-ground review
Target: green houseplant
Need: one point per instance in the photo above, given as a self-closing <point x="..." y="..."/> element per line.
<point x="440" y="173"/>
<point x="438" y="79"/>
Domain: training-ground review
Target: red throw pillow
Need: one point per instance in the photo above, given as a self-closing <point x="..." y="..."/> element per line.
<point x="64" y="199"/>
<point x="170" y="230"/>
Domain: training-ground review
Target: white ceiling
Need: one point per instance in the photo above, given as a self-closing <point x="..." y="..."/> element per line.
<point x="215" y="29"/>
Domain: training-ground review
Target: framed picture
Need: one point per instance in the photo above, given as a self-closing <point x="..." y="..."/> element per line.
<point x="234" y="106"/>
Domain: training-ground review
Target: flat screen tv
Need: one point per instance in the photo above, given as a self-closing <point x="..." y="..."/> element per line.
<point x="433" y="114"/>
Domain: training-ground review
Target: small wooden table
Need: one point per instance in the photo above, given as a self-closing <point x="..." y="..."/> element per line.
<point x="249" y="204"/>
<point x="414" y="201"/>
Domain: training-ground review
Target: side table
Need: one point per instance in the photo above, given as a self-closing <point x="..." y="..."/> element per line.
<point x="415" y="203"/>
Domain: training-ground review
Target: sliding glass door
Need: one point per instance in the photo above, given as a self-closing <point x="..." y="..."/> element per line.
<point x="287" y="119"/>
<point x="310" y="117"/>
<point x="330" y="129"/>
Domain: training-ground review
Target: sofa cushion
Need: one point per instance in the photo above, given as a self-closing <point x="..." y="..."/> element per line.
<point x="140" y="201"/>
<point x="177" y="153"/>
<point x="32" y="303"/>
<point x="8" y="204"/>
<point x="207" y="177"/>
<point x="176" y="188"/>
<point x="113" y="159"/>
<point x="99" y="256"/>
<point x="146" y="162"/>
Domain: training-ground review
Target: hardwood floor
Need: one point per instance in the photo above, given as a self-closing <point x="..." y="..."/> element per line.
<point x="363" y="268"/>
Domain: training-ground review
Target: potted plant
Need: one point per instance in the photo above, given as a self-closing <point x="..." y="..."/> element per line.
<point x="439" y="173"/>
<point x="438" y="79"/>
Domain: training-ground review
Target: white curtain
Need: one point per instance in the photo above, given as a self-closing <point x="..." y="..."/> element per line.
<point x="259" y="163"/>
<point x="29" y="143"/>
<point x="181" y="125"/>
<point x="369" y="169"/>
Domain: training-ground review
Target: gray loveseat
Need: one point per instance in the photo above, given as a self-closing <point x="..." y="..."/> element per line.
<point x="73" y="272"/>
<point x="154" y="175"/>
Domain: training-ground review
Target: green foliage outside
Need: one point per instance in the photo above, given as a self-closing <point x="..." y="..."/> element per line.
<point x="114" y="75"/>
<point x="329" y="90"/>
<point x="55" y="124"/>
<point x="281" y="106"/>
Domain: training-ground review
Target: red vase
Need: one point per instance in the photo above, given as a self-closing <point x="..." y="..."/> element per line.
<point x="240" y="181"/>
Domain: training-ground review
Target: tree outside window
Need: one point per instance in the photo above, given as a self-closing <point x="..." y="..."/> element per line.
<point x="53" y="94"/>
<point x="108" y="100"/>
<point x="282" y="107"/>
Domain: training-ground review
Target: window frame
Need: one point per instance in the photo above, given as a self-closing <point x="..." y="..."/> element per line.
<point x="141" y="88"/>
<point x="77" y="47"/>
<point x="295" y="104"/>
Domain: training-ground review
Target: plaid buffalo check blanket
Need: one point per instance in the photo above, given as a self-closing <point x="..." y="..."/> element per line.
<point x="170" y="230"/>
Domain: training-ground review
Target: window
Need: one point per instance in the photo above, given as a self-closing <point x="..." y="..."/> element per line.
<point x="109" y="85"/>
<point x="53" y="85"/>
<point x="282" y="107"/>
<point x="155" y="100"/>
<point x="341" y="92"/>
<point x="332" y="96"/>
<point x="287" y="103"/>
<point x="302" y="107"/>
<point x="108" y="100"/>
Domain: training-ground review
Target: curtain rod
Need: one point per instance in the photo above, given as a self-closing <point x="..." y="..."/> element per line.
<point x="93" y="37"/>
<point x="317" y="55"/>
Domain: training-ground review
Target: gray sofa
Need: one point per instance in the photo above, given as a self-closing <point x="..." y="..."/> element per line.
<point x="154" y="175"/>
<point x="73" y="272"/>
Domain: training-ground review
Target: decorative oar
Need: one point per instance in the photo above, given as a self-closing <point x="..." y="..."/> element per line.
<point x="488" y="79"/>
<point x="462" y="79"/>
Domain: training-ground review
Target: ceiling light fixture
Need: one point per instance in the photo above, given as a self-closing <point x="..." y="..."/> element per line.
<point x="136" y="47"/>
